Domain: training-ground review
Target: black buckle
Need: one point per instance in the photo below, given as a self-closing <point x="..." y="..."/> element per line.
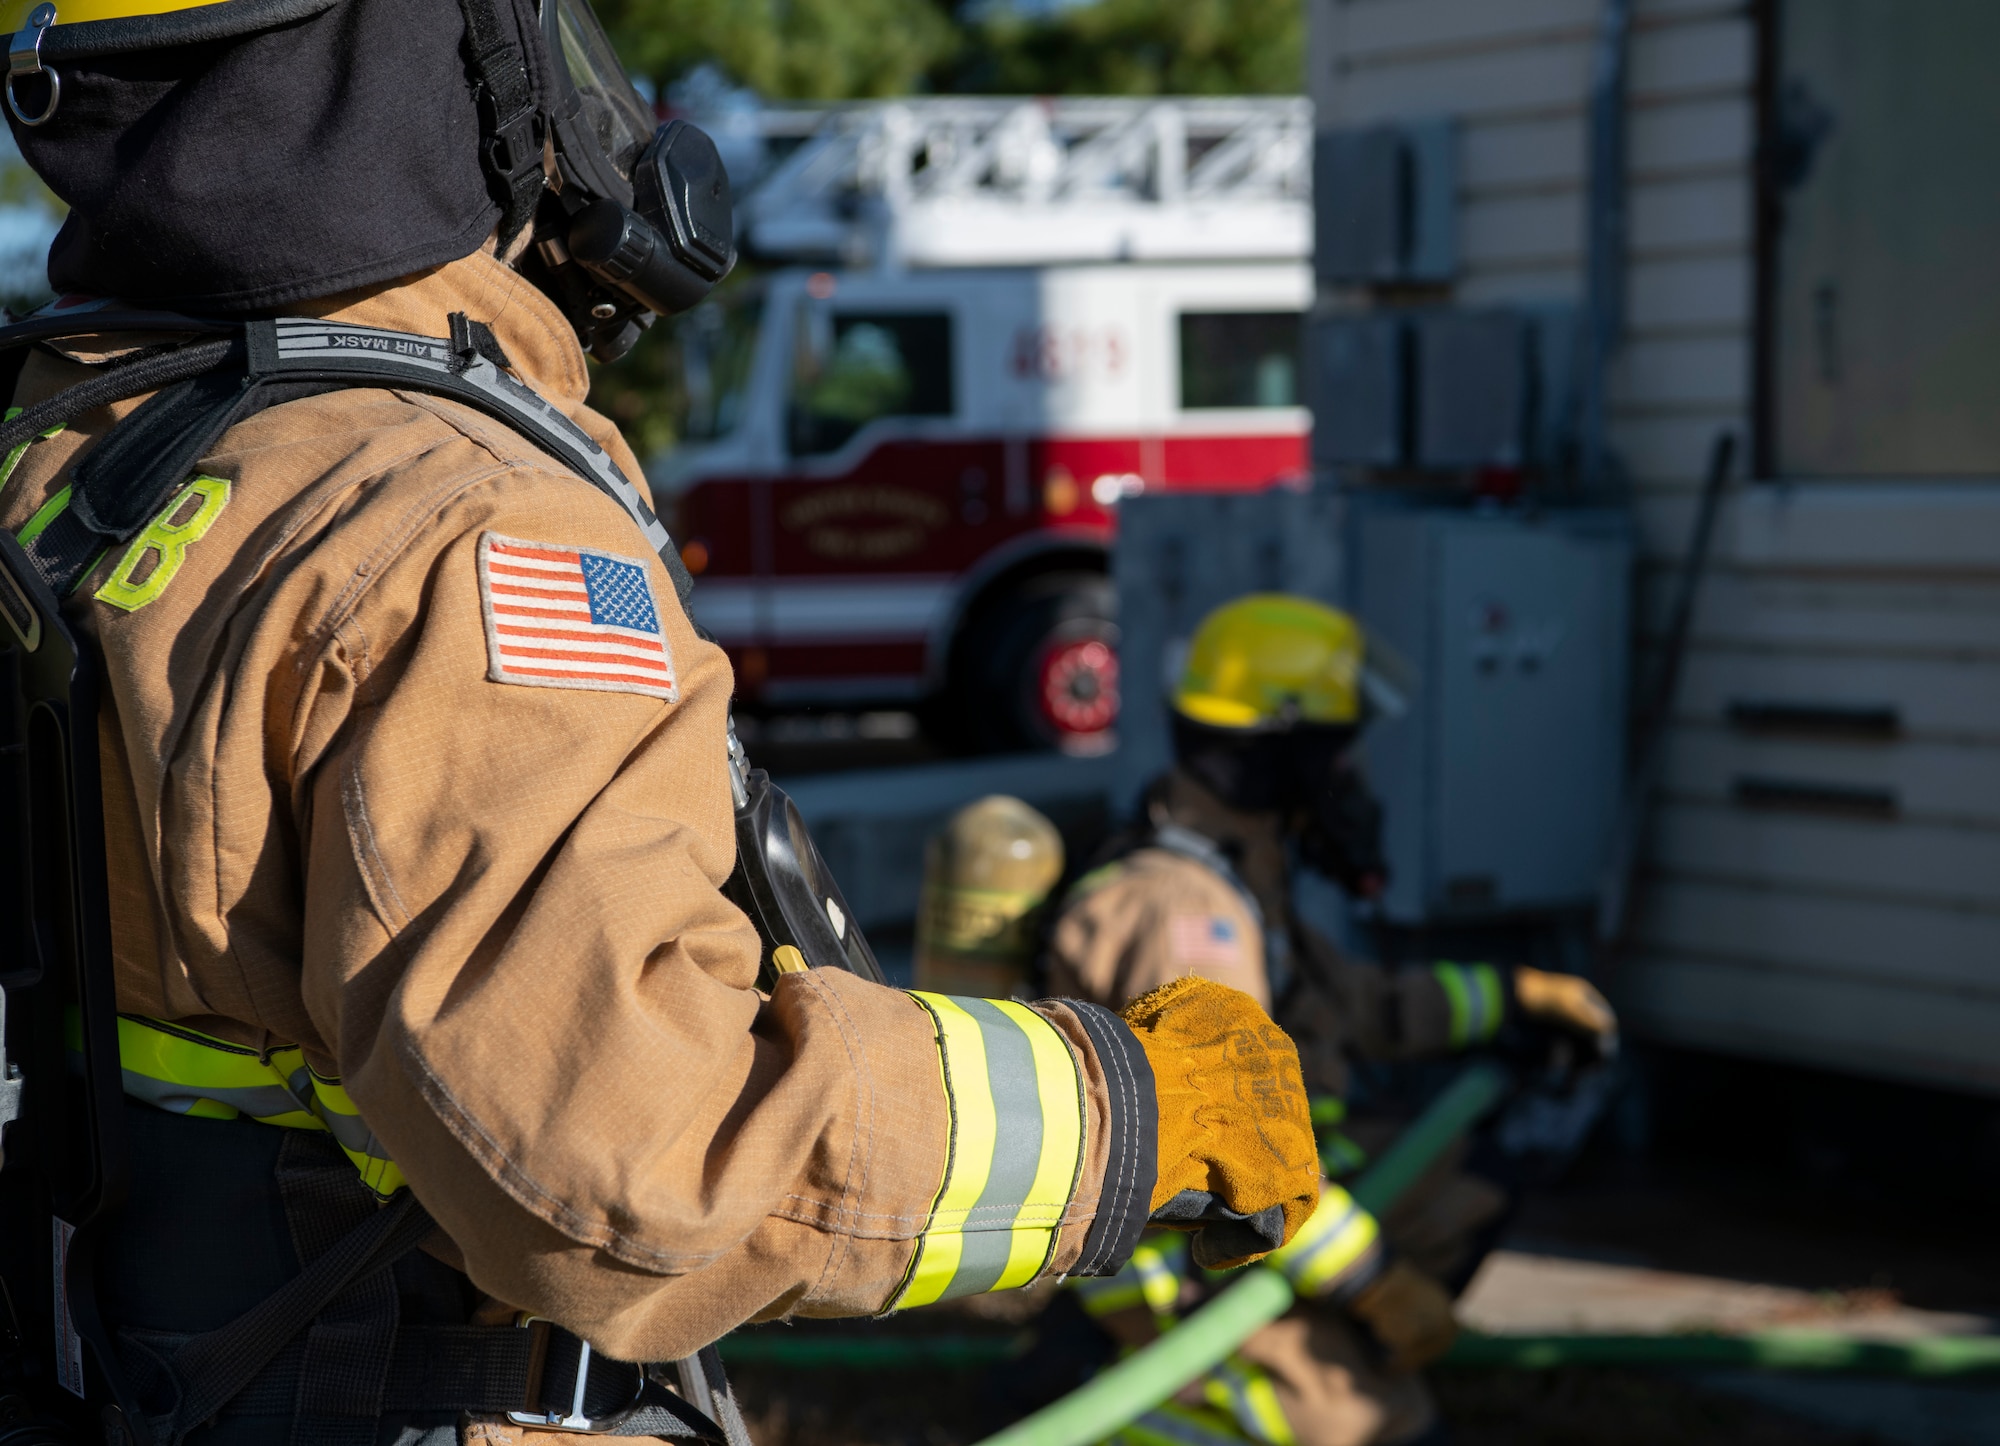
<point x="512" y="147"/>
<point x="537" y="1413"/>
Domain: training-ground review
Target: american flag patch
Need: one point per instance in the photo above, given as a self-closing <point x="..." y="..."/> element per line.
<point x="564" y="617"/>
<point x="1196" y="939"/>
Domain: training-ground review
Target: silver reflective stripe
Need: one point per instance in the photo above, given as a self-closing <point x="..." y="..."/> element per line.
<point x="257" y="1101"/>
<point x="1017" y="1152"/>
<point x="1166" y="1425"/>
<point x="1253" y="1401"/>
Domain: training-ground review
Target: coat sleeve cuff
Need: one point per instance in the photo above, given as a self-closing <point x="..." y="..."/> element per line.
<point x="1132" y="1135"/>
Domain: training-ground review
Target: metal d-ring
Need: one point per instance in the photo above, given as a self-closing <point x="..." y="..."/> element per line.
<point x="24" y="57"/>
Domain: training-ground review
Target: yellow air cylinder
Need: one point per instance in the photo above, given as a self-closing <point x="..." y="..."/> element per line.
<point x="987" y="874"/>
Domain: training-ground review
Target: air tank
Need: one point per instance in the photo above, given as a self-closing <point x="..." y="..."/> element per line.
<point x="987" y="877"/>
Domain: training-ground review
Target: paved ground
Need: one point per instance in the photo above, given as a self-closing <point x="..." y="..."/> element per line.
<point x="1542" y="1289"/>
<point x="1756" y="1198"/>
<point x="1533" y="1292"/>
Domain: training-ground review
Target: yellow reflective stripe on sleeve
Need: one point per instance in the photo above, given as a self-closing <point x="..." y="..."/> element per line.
<point x="14" y="14"/>
<point x="1332" y="1242"/>
<point x="166" y="540"/>
<point x="189" y="1073"/>
<point x="1492" y="999"/>
<point x="1244" y="1390"/>
<point x="962" y="1055"/>
<point x="1477" y="1004"/>
<point x="1016" y="1103"/>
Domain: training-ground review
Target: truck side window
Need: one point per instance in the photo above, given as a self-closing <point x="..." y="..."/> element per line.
<point x="1240" y="358"/>
<point x="853" y="367"/>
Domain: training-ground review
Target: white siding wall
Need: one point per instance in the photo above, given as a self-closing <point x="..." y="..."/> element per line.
<point x="1863" y="944"/>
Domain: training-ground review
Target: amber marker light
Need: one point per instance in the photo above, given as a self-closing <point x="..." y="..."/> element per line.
<point x="1060" y="494"/>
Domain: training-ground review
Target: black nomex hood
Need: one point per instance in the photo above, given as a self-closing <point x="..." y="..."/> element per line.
<point x="238" y="156"/>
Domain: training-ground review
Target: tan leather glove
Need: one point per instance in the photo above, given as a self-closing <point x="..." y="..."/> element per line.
<point x="1567" y="1003"/>
<point x="1238" y="1165"/>
<point x="1408" y="1313"/>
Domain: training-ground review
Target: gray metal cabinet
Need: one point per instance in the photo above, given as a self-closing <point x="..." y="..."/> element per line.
<point x="1500" y="781"/>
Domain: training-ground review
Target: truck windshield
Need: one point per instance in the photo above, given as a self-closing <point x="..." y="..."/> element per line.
<point x="717" y="342"/>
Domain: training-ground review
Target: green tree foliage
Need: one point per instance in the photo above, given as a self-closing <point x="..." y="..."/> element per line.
<point x="642" y="392"/>
<point x="1136" y="47"/>
<point x="787" y="49"/>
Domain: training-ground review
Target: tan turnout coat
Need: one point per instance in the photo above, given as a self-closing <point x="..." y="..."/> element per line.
<point x="491" y="909"/>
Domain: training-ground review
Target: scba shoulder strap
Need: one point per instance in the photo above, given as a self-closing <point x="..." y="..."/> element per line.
<point x="203" y="388"/>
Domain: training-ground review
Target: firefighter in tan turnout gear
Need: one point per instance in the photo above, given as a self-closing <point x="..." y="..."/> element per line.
<point x="1273" y="696"/>
<point x="418" y="796"/>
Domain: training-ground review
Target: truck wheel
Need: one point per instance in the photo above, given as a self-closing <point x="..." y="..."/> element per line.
<point x="1040" y="667"/>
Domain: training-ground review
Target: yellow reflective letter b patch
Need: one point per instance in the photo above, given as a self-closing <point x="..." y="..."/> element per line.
<point x="156" y="554"/>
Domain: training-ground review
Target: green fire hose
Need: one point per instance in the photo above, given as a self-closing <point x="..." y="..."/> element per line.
<point x="1205" y="1339"/>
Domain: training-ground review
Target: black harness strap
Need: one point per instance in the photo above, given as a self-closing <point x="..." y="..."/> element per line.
<point x="323" y="351"/>
<point x="130" y="377"/>
<point x="344" y="1375"/>
<point x="328" y="1346"/>
<point x="207" y="387"/>
<point x="441" y="1371"/>
<point x="213" y="1369"/>
<point x="512" y="128"/>
<point x="704" y="1382"/>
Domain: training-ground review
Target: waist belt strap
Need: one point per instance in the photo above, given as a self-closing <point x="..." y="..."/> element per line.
<point x="328" y="1349"/>
<point x="450" y="1369"/>
<point x="211" y="1370"/>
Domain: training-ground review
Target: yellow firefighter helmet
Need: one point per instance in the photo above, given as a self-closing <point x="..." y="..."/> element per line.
<point x="1272" y="658"/>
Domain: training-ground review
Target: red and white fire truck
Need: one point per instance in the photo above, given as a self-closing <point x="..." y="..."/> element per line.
<point x="989" y="322"/>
